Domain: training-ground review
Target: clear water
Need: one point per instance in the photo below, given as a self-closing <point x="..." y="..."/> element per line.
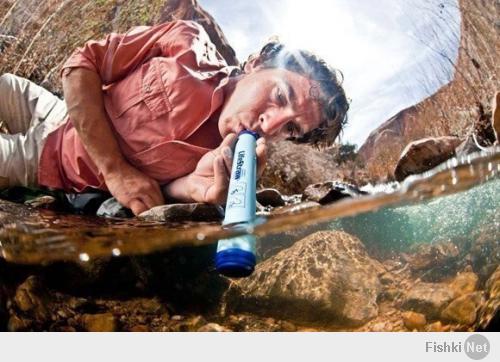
<point x="456" y="200"/>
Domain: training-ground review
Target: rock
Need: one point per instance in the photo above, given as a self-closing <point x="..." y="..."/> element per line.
<point x="433" y="259"/>
<point x="325" y="276"/>
<point x="414" y="320"/>
<point x="45" y="201"/>
<point x="330" y="191"/>
<point x="112" y="208"/>
<point x="489" y="314"/>
<point x="139" y="328"/>
<point x="291" y="167"/>
<point x="270" y="197"/>
<point x="104" y="322"/>
<point x="287" y="326"/>
<point x="463" y="310"/>
<point x="424" y="154"/>
<point x="495" y="116"/>
<point x="436" y="327"/>
<point x="428" y="299"/>
<point x="32" y="300"/>
<point x="464" y="283"/>
<point x="17" y="324"/>
<point x="291" y="209"/>
<point x="184" y="212"/>
<point x="213" y="327"/>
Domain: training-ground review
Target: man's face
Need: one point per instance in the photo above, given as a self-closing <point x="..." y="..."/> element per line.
<point x="276" y="103"/>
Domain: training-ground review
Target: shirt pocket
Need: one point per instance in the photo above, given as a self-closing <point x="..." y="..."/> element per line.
<point x="140" y="97"/>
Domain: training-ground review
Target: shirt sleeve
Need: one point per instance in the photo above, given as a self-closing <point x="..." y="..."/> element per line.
<point x="118" y="54"/>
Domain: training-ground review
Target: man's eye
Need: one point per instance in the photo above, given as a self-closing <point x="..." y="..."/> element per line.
<point x="280" y="97"/>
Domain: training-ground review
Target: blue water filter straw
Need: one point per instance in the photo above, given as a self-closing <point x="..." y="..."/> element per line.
<point x="236" y="256"/>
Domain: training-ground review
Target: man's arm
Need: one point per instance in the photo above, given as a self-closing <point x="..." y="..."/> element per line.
<point x="84" y="99"/>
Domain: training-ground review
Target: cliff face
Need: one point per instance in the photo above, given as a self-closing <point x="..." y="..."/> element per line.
<point x="36" y="37"/>
<point x="457" y="107"/>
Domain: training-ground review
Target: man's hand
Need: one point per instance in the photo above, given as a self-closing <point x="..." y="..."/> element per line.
<point x="133" y="189"/>
<point x="209" y="182"/>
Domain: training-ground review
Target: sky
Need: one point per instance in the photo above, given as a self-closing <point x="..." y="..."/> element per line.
<point x="392" y="53"/>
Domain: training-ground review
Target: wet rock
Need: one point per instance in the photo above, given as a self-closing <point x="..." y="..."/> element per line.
<point x="414" y="320"/>
<point x="325" y="276"/>
<point x="484" y="252"/>
<point x="424" y="154"/>
<point x="437" y="327"/>
<point x="464" y="283"/>
<point x="464" y="309"/>
<point x="213" y="327"/>
<point x="489" y="314"/>
<point x="18" y="324"/>
<point x="331" y="191"/>
<point x="112" y="208"/>
<point x="45" y="201"/>
<point x="270" y="197"/>
<point x="139" y="328"/>
<point x="436" y="260"/>
<point x="32" y="300"/>
<point x="428" y="298"/>
<point x="291" y="209"/>
<point x="184" y="212"/>
<point x="104" y="322"/>
<point x="495" y="117"/>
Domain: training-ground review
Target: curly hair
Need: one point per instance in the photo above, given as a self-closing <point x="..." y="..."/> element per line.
<point x="331" y="94"/>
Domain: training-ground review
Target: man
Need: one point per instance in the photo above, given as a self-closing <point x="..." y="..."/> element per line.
<point x="159" y="106"/>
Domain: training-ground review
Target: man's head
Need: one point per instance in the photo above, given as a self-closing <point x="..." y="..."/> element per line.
<point x="285" y="94"/>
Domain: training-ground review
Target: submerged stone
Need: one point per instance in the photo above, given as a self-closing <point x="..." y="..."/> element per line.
<point x="464" y="309"/>
<point x="413" y="320"/>
<point x="104" y="322"/>
<point x="464" y="283"/>
<point x="325" y="276"/>
<point x="428" y="299"/>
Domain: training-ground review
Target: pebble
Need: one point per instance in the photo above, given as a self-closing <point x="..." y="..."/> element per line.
<point x="104" y="322"/>
<point x="413" y="320"/>
<point x="213" y="327"/>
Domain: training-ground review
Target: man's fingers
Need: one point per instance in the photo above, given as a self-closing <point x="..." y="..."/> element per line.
<point x="156" y="194"/>
<point x="227" y="156"/>
<point x="229" y="141"/>
<point x="137" y="206"/>
<point x="221" y="181"/>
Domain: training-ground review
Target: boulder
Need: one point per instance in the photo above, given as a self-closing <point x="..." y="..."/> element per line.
<point x="428" y="298"/>
<point x="184" y="212"/>
<point x="464" y="283"/>
<point x="463" y="310"/>
<point x="325" y="276"/>
<point x="32" y="301"/>
<point x="330" y="191"/>
<point x="436" y="260"/>
<point x="425" y="154"/>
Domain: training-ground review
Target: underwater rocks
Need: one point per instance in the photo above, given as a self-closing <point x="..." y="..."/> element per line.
<point x="434" y="260"/>
<point x="331" y="191"/>
<point x="489" y="314"/>
<point x="428" y="298"/>
<point x="414" y="320"/>
<point x="104" y="322"/>
<point x="425" y="154"/>
<point x="463" y="310"/>
<point x="327" y="276"/>
<point x="184" y="212"/>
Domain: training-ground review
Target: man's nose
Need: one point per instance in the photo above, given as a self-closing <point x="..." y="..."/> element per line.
<point x="272" y="122"/>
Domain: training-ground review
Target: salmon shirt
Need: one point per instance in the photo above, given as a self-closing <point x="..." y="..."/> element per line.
<point x="161" y="85"/>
